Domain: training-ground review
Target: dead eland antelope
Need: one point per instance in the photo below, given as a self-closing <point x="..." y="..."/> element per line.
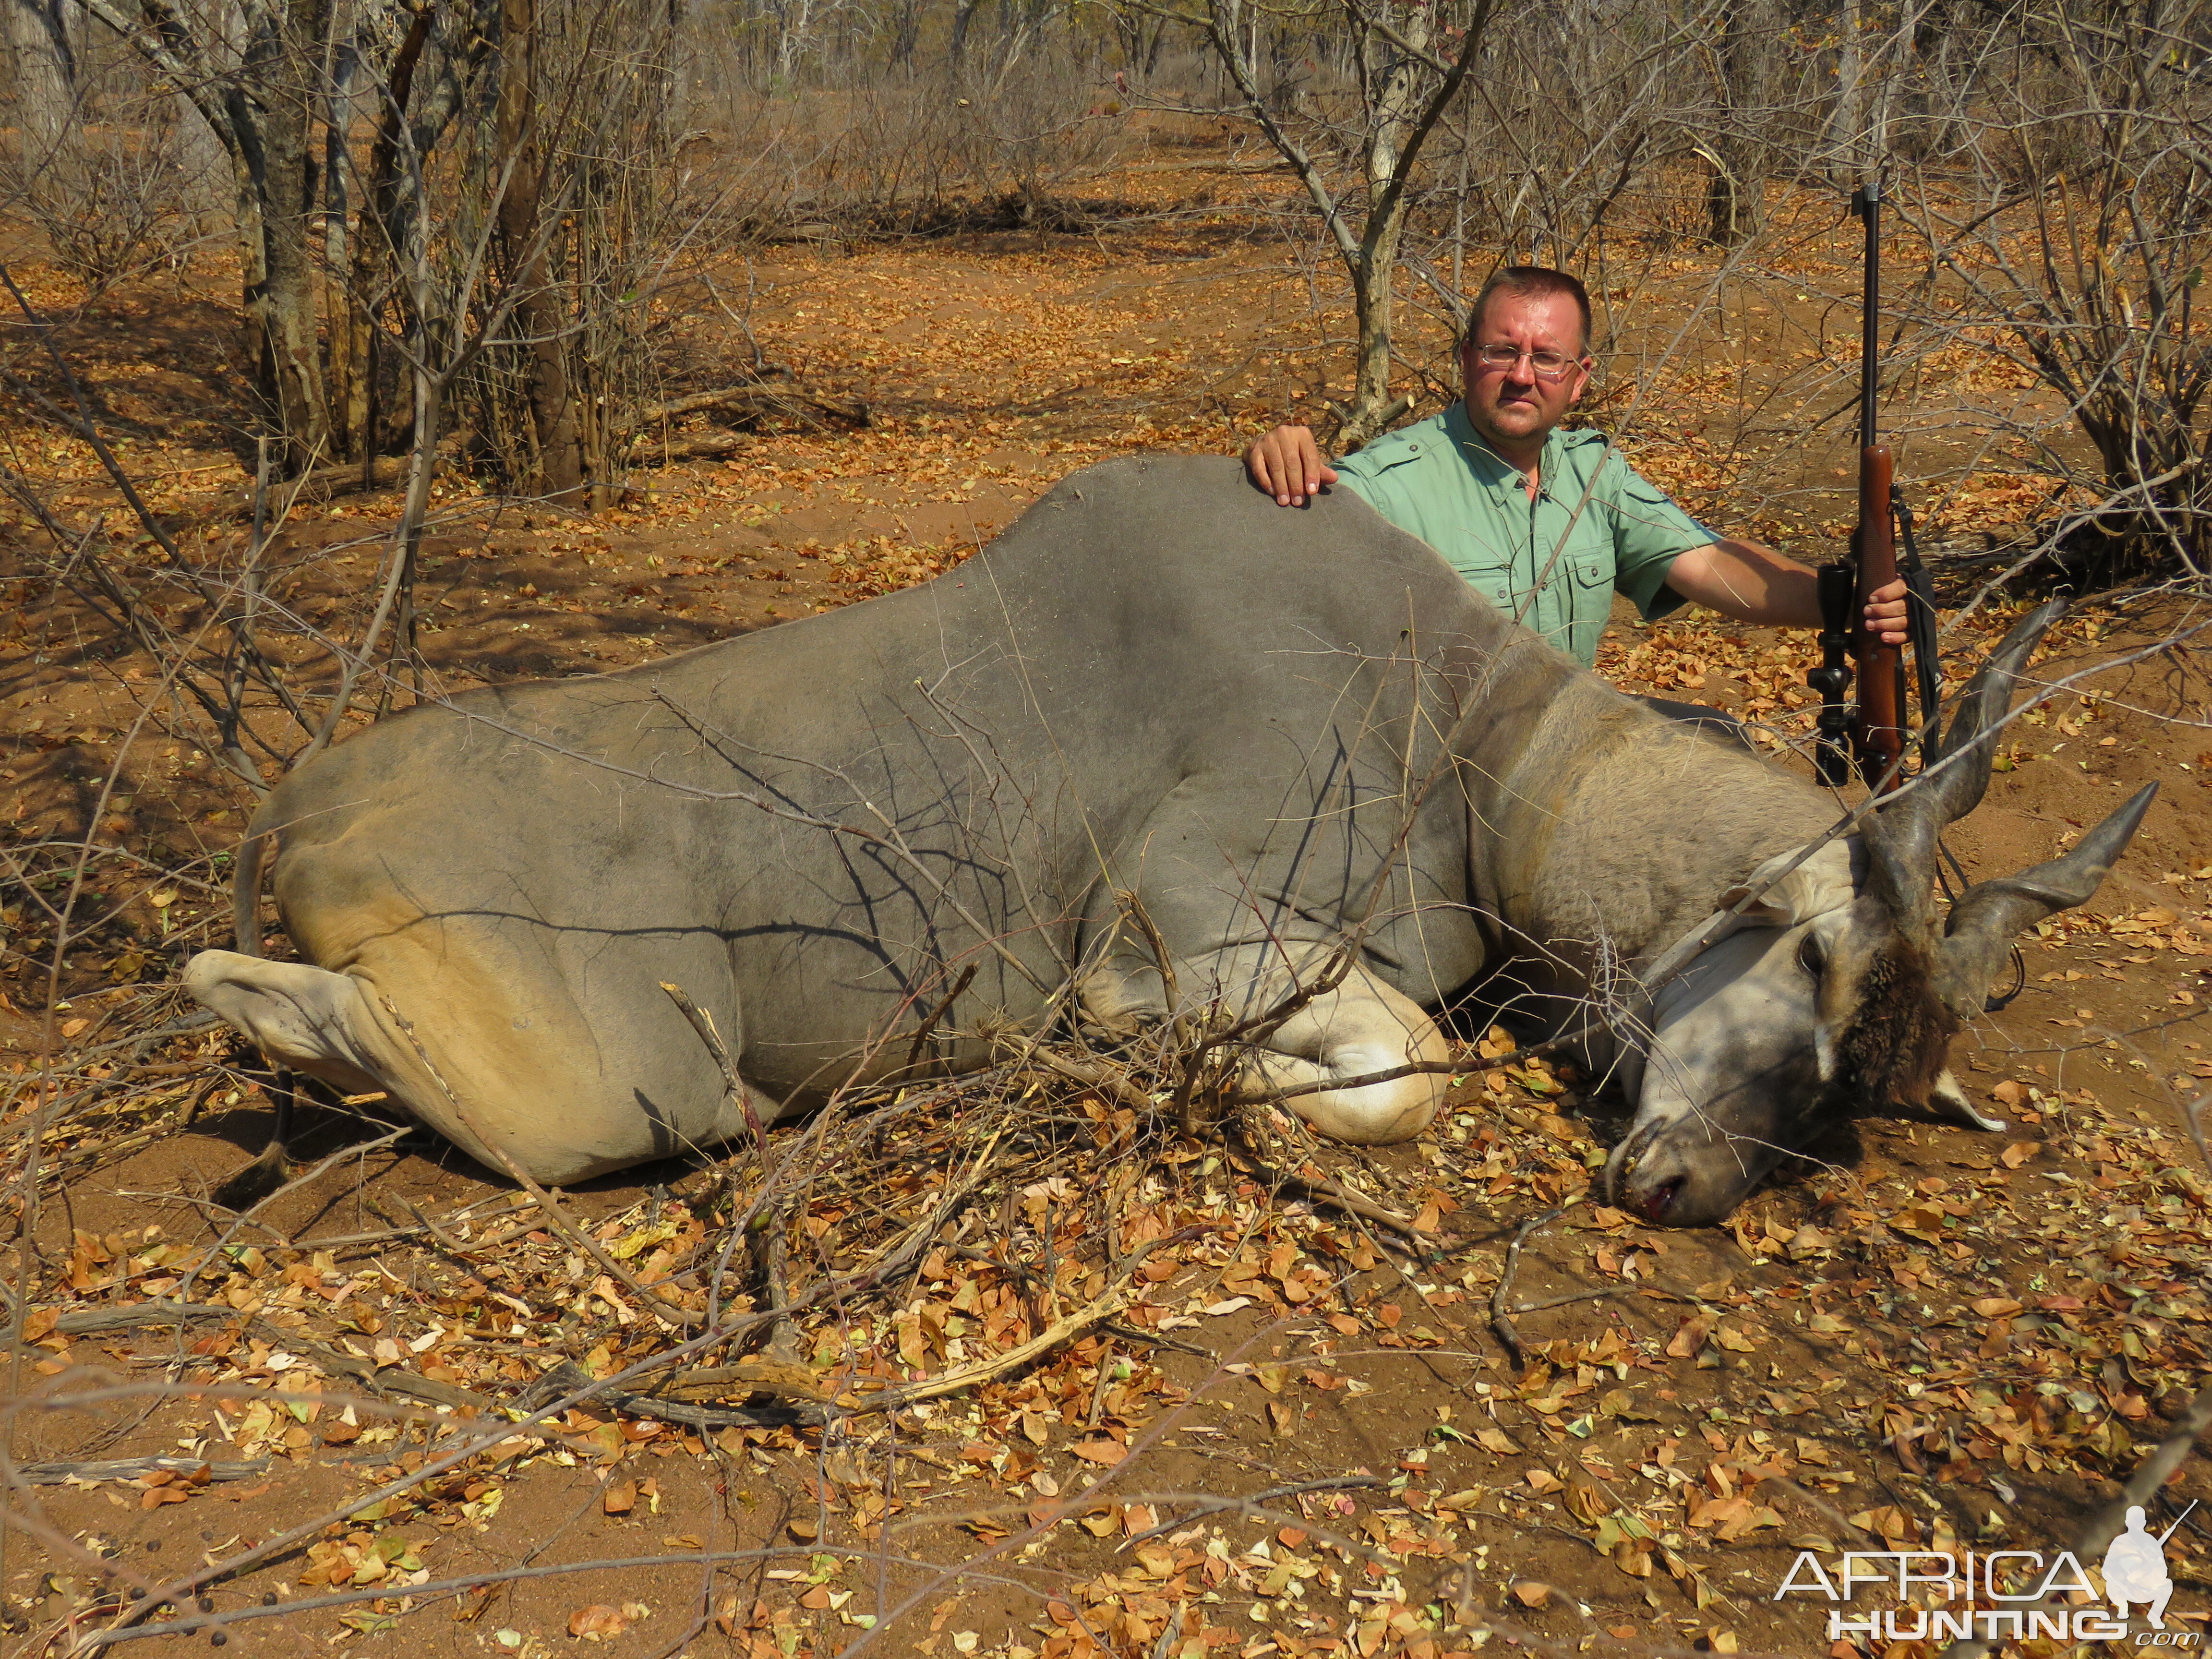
<point x="1297" y="739"/>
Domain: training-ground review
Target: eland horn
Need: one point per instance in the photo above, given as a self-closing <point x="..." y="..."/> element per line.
<point x="1900" y="839"/>
<point x="1988" y="915"/>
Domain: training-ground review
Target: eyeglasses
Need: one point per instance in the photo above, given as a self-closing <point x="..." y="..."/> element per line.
<point x="1548" y="365"/>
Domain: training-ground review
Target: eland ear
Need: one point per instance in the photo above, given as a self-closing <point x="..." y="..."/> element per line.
<point x="1822" y="884"/>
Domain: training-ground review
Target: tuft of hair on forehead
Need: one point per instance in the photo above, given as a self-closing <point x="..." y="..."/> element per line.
<point x="1896" y="1041"/>
<point x="1529" y="283"/>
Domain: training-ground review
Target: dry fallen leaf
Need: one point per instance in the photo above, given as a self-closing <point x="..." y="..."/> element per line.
<point x="620" y="1497"/>
<point x="1587" y="1504"/>
<point x="1104" y="1452"/>
<point x="597" y="1623"/>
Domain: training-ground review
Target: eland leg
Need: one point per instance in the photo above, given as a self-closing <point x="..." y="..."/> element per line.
<point x="273" y="1168"/>
<point x="1361" y="1029"/>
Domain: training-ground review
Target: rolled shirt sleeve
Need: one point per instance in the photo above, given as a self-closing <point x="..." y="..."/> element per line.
<point x="1650" y="533"/>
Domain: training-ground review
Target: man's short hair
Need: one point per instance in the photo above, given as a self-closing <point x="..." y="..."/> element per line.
<point x="1529" y="283"/>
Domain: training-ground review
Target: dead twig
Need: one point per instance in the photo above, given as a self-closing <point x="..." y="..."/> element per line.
<point x="815" y="1408"/>
<point x="1599" y="1296"/>
<point x="1320" y="1189"/>
<point x="922" y="1032"/>
<point x="1247" y="1504"/>
<point x="1154" y="1339"/>
<point x="661" y="1307"/>
<point x="757" y="399"/>
<point x="334" y="1362"/>
<point x="764" y="1233"/>
<point x="733" y="1088"/>
<point x="133" y="1469"/>
<point x="1100" y="1075"/>
<point x="1501" y="1314"/>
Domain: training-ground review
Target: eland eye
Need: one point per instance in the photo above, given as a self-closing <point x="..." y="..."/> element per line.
<point x="1809" y="956"/>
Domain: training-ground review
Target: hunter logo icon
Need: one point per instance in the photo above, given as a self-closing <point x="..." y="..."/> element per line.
<point x="2135" y="1569"/>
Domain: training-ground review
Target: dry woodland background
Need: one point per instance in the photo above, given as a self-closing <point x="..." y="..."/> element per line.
<point x="358" y="353"/>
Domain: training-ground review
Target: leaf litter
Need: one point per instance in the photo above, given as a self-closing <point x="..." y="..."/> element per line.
<point x="1877" y="1353"/>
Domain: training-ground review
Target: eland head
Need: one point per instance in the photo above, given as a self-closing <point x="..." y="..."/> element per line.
<point x="1838" y="988"/>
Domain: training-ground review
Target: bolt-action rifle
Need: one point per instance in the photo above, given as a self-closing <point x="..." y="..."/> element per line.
<point x="1874" y="733"/>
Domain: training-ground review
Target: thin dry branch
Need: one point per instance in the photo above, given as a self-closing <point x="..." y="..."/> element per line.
<point x="755" y="400"/>
<point x="1501" y="1311"/>
<point x="547" y="1204"/>
<point x="134" y="1468"/>
<point x="389" y="1379"/>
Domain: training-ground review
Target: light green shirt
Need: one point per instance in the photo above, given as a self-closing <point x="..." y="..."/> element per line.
<point x="1437" y="479"/>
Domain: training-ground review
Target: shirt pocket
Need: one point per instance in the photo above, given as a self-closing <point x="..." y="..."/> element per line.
<point x="1487" y="568"/>
<point x="1585" y="591"/>
<point x="1586" y="562"/>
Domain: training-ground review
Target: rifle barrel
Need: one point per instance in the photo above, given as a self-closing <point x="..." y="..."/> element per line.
<point x="1879" y="733"/>
<point x="1869" y="208"/>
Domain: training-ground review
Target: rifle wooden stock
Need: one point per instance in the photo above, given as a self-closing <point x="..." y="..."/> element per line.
<point x="1879" y="736"/>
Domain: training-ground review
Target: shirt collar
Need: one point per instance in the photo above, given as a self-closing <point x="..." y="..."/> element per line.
<point x="1493" y="468"/>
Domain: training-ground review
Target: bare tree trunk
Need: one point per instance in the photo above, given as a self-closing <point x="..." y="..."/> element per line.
<point x="290" y="59"/>
<point x="1736" y="199"/>
<point x="353" y="316"/>
<point x="1847" y="126"/>
<point x="45" y="79"/>
<point x="963" y="16"/>
<point x="346" y="325"/>
<point x="1405" y="89"/>
<point x="1395" y="102"/>
<point x="261" y="113"/>
<point x="204" y="167"/>
<point x="559" y="468"/>
<point x="906" y="34"/>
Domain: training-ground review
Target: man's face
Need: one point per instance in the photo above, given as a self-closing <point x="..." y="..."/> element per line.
<point x="1515" y="406"/>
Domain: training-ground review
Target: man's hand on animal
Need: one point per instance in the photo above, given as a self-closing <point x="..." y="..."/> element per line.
<point x="1478" y="481"/>
<point x="1288" y="463"/>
